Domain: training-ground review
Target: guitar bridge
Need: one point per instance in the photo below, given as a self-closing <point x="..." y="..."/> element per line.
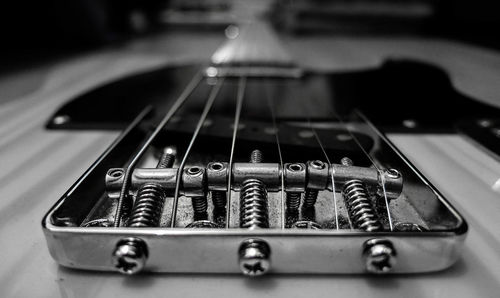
<point x="211" y="193"/>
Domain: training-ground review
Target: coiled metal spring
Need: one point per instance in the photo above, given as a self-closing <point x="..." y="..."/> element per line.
<point x="253" y="205"/>
<point x="359" y="206"/>
<point x="148" y="206"/>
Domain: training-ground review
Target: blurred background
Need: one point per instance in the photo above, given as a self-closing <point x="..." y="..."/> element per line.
<point x="37" y="30"/>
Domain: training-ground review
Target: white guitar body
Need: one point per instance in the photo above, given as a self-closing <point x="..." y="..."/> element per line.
<point x="38" y="166"/>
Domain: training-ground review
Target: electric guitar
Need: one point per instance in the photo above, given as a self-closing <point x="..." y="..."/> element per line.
<point x="253" y="163"/>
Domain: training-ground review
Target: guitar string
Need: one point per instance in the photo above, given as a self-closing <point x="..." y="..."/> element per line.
<point x="239" y="104"/>
<point x="362" y="116"/>
<point x="306" y="107"/>
<point x="170" y="113"/>
<point x="372" y="160"/>
<point x="331" y="176"/>
<point x="271" y="104"/>
<point x="208" y="105"/>
<point x="313" y="130"/>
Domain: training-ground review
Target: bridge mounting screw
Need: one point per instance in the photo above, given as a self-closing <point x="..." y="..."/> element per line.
<point x="254" y="257"/>
<point x="130" y="255"/>
<point x="379" y="255"/>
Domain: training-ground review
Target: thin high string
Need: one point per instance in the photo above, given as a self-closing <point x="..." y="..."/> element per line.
<point x="239" y="104"/>
<point x="270" y="101"/>
<point x="372" y="160"/>
<point x="332" y="176"/>
<point x="380" y="173"/>
<point x="170" y="113"/>
<point x="208" y="105"/>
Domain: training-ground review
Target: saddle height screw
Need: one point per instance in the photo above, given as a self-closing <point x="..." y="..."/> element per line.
<point x="219" y="198"/>
<point x="130" y="254"/>
<point x="199" y="203"/>
<point x="292" y="197"/>
<point x="311" y="195"/>
<point x="254" y="254"/>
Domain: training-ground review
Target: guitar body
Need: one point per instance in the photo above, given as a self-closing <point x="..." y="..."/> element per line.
<point x="43" y="156"/>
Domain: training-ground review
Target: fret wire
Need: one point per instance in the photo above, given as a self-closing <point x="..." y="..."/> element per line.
<point x="389" y="217"/>
<point x="239" y="104"/>
<point x="271" y="105"/>
<point x="210" y="101"/>
<point x="173" y="109"/>
<point x="332" y="176"/>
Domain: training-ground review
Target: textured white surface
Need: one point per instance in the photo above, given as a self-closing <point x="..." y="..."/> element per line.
<point x="37" y="166"/>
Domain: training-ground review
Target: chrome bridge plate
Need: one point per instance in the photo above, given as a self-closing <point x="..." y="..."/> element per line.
<point x="317" y="197"/>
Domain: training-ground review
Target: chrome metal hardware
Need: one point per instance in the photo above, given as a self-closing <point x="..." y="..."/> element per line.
<point x="254" y="257"/>
<point x="253" y="200"/>
<point x="215" y="212"/>
<point x="130" y="254"/>
<point x="380" y="256"/>
<point x="316" y="176"/>
<point x="358" y="203"/>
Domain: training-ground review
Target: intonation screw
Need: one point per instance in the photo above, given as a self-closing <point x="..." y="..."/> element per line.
<point x="253" y="200"/>
<point x="254" y="257"/>
<point x="254" y="254"/>
<point x="130" y="254"/>
<point x="379" y="255"/>
<point x="358" y="203"/>
<point x="311" y="195"/>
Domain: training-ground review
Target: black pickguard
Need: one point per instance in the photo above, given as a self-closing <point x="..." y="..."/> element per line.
<point x="397" y="91"/>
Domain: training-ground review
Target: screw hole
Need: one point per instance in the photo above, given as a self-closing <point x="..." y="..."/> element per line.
<point x="194" y="170"/>
<point x="217" y="166"/>
<point x="318" y="164"/>
<point x="116" y="173"/>
<point x="393" y="173"/>
<point x="295" y="167"/>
